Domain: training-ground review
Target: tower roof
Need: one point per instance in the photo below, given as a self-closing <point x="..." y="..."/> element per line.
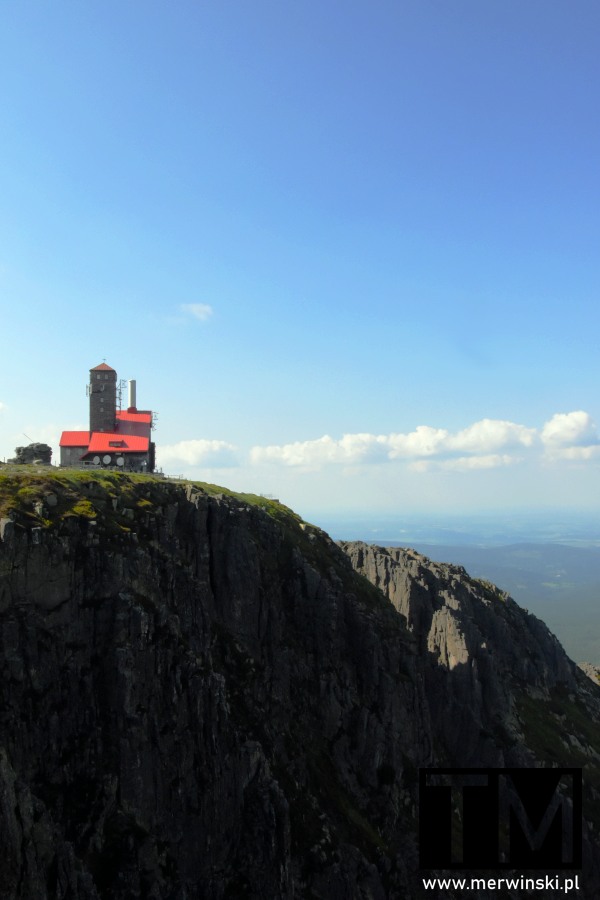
<point x="102" y="368"/>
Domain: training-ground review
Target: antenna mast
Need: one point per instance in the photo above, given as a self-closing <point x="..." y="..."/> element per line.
<point x="122" y="384"/>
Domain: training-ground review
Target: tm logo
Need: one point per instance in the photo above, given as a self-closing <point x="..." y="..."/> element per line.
<point x="500" y="818"/>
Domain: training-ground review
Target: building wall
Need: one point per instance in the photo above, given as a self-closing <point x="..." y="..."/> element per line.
<point x="71" y="456"/>
<point x="103" y="400"/>
<point x="133" y="462"/>
<point x="137" y="462"/>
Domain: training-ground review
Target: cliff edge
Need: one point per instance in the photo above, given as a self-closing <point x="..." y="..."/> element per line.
<point x="203" y="696"/>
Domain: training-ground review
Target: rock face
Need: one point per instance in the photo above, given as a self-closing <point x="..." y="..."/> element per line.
<point x="500" y="689"/>
<point x="40" y="454"/>
<point x="482" y="653"/>
<point x="591" y="671"/>
<point x="201" y="698"/>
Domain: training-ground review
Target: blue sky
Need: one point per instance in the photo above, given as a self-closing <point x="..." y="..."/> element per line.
<point x="348" y="250"/>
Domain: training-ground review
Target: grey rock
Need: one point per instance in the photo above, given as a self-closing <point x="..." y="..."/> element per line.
<point x="591" y="670"/>
<point x="225" y="708"/>
<point x="7" y="529"/>
<point x="480" y="649"/>
<point x="36" y="453"/>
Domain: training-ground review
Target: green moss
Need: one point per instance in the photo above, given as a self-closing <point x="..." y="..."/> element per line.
<point x="83" y="508"/>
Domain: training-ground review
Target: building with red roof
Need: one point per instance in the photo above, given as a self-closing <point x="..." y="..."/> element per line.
<point x="118" y="438"/>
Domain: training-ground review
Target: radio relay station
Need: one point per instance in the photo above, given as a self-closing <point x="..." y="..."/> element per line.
<point x="118" y="438"/>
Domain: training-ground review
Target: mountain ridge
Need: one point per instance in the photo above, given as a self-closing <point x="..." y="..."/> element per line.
<point x="205" y="696"/>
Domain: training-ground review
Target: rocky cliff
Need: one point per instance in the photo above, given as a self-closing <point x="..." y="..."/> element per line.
<point x="203" y="697"/>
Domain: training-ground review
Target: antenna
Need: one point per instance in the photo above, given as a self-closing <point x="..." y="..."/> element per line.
<point x="122" y="384"/>
<point x="27" y="436"/>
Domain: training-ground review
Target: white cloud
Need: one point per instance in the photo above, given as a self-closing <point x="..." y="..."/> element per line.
<point x="492" y="434"/>
<point x="200" y="311"/>
<point x="349" y="450"/>
<point x="201" y="452"/>
<point x="423" y="441"/>
<point x="2" y="406"/>
<point x="574" y="429"/>
<point x="480" y="439"/>
<point x="467" y="463"/>
<point x="577" y="454"/>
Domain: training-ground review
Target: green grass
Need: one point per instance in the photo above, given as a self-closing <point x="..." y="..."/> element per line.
<point x="90" y="494"/>
<point x="83" y="508"/>
<point x="78" y="493"/>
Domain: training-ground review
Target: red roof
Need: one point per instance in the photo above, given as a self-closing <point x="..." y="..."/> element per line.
<point x="109" y="441"/>
<point x="75" y="439"/>
<point x="114" y="442"/>
<point x="134" y="423"/>
<point x="102" y="368"/>
<point x="137" y="415"/>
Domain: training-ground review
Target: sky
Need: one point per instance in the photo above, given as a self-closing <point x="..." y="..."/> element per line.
<point x="348" y="250"/>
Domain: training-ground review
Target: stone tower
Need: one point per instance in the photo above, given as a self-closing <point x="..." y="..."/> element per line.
<point x="103" y="398"/>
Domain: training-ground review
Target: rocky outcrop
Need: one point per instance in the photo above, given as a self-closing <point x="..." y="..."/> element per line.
<point x="196" y="702"/>
<point x="201" y="698"/>
<point x="591" y="671"/>
<point x="40" y="454"/>
<point x="481" y="652"/>
<point x="500" y="689"/>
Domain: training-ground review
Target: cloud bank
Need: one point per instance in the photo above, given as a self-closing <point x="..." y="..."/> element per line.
<point x="207" y="453"/>
<point x="486" y="444"/>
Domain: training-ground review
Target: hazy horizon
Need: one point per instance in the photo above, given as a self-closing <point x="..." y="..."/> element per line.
<point x="484" y="528"/>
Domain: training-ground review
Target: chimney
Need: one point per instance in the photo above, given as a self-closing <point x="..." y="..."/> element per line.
<point x="132" y="397"/>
